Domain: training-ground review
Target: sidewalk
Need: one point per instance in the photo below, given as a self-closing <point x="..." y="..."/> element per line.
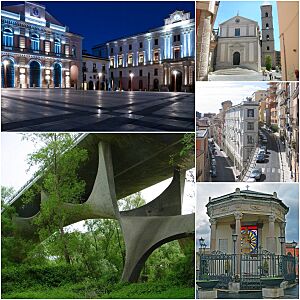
<point x="233" y="168"/>
<point x="285" y="170"/>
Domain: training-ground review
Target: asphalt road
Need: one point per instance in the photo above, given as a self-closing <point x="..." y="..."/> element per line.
<point x="271" y="168"/>
<point x="224" y="170"/>
<point x="71" y="110"/>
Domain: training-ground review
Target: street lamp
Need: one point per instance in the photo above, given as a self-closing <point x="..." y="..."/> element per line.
<point x="294" y="245"/>
<point x="5" y="63"/>
<point x="234" y="239"/>
<point x="100" y="75"/>
<point x="175" y="72"/>
<point x="131" y="80"/>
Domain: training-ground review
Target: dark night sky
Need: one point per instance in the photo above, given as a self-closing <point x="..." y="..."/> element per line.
<point x="102" y="21"/>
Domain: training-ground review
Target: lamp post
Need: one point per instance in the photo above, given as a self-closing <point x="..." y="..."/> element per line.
<point x="294" y="245"/>
<point x="100" y="75"/>
<point x="131" y="80"/>
<point x="5" y="63"/>
<point x="234" y="239"/>
<point x="175" y="72"/>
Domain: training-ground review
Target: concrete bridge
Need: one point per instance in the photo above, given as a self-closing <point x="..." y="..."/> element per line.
<point x="119" y="165"/>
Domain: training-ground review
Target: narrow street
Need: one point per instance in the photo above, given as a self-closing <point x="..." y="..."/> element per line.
<point x="271" y="168"/>
<point x="224" y="168"/>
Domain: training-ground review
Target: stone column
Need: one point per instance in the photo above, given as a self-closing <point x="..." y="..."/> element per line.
<point x="271" y="237"/>
<point x="213" y="234"/>
<point x="238" y="216"/>
<point x="203" y="44"/>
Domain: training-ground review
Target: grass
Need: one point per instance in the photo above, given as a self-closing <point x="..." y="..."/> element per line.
<point x="161" y="290"/>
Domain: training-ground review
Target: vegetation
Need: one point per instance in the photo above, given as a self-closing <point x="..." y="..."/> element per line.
<point x="85" y="260"/>
<point x="268" y="62"/>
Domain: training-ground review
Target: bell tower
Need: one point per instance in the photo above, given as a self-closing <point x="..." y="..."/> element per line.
<point x="267" y="42"/>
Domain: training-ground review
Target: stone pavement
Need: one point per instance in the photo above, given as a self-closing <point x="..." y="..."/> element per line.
<point x="239" y="74"/>
<point x="77" y="110"/>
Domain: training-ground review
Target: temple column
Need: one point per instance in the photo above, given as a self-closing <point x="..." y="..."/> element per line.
<point x="203" y="44"/>
<point x="271" y="238"/>
<point x="238" y="216"/>
<point x="213" y="234"/>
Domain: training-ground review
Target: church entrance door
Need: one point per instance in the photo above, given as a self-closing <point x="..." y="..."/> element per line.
<point x="236" y="58"/>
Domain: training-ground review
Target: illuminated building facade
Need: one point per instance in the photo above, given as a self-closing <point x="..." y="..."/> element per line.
<point x="37" y="50"/>
<point x="161" y="59"/>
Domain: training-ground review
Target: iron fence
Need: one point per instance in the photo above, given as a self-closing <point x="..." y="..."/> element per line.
<point x="248" y="269"/>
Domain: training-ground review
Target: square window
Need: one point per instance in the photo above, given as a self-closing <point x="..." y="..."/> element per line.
<point x="121" y="49"/>
<point x="141" y="72"/>
<point x="250" y="113"/>
<point x="237" y="32"/>
<point x="141" y="44"/>
<point x="156" y="42"/>
<point x="130" y="47"/>
<point x="155" y="72"/>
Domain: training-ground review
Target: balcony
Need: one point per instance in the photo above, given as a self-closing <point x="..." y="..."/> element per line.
<point x="37" y="52"/>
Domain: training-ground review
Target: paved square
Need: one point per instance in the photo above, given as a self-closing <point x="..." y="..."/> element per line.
<point x="71" y="110"/>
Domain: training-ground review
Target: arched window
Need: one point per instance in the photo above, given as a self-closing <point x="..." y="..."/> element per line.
<point x="267" y="26"/>
<point x="8" y="37"/>
<point x="57" y="46"/>
<point x="73" y="51"/>
<point x="268" y="48"/>
<point x="268" y="37"/>
<point x="266" y="14"/>
<point x="35" y="42"/>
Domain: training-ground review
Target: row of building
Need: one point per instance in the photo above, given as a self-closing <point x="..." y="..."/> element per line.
<point x="235" y="128"/>
<point x="279" y="109"/>
<point x="241" y="42"/>
<point x="39" y="51"/>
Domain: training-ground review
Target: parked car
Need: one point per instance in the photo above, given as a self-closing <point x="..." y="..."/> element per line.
<point x="213" y="172"/>
<point x="256" y="174"/>
<point x="261" y="151"/>
<point x="260" y="157"/>
<point x="263" y="147"/>
<point x="251" y="179"/>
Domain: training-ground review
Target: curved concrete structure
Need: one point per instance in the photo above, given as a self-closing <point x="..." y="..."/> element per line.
<point x="118" y="166"/>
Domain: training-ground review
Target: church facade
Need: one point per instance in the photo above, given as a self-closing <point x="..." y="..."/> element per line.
<point x="239" y="44"/>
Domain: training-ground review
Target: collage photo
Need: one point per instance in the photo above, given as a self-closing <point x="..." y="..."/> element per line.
<point x="123" y="126"/>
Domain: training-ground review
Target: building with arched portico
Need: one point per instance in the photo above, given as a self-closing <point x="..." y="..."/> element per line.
<point x="37" y="50"/>
<point x="161" y="59"/>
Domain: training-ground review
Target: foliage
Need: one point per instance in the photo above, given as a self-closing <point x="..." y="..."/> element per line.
<point x="185" y="157"/>
<point x="6" y="193"/>
<point x="268" y="62"/>
<point x="59" y="184"/>
<point x="14" y="249"/>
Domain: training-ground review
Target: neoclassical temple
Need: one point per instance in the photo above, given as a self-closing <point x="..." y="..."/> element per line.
<point x="37" y="50"/>
<point x="257" y="218"/>
<point x="247" y="243"/>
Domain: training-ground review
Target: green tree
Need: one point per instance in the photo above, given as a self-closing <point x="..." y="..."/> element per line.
<point x="13" y="248"/>
<point x="268" y="62"/>
<point x="58" y="161"/>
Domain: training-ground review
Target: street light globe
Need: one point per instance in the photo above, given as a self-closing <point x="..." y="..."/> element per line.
<point x="100" y="74"/>
<point x="131" y="75"/>
<point x="5" y="63"/>
<point x="175" y="72"/>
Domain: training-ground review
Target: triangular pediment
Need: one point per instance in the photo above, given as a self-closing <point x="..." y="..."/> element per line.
<point x="238" y="20"/>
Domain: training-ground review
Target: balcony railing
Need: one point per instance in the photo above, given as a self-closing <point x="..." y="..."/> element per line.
<point x="38" y="52"/>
